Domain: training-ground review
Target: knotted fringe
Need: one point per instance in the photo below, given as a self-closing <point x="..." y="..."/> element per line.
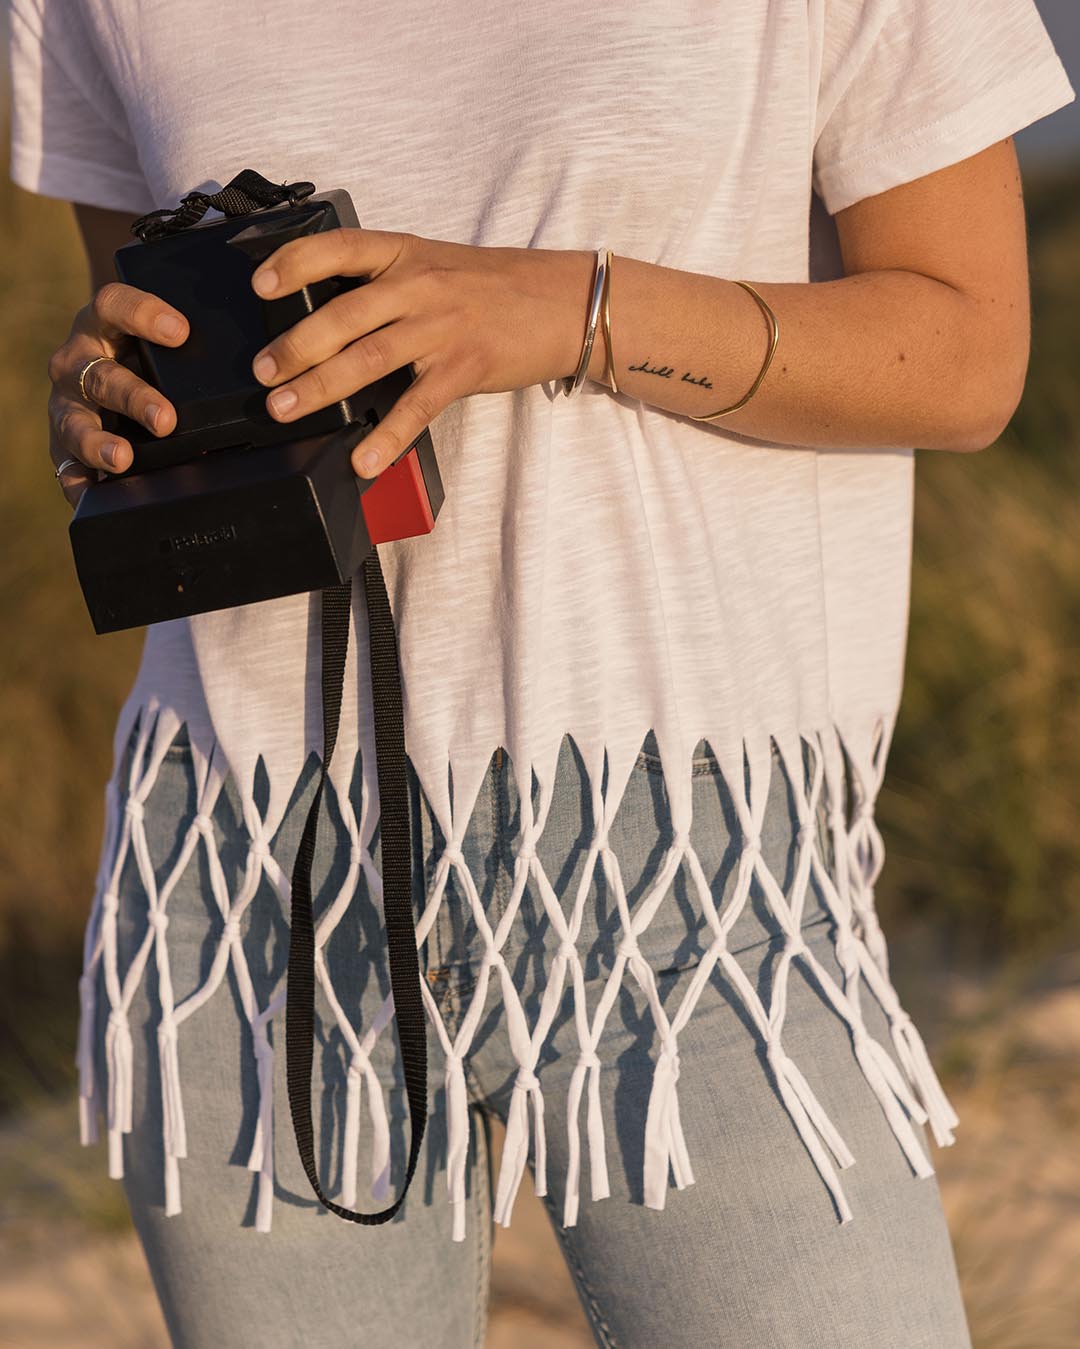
<point x="913" y="1095"/>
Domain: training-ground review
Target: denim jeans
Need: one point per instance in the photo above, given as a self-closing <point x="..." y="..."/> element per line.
<point x="749" y="1255"/>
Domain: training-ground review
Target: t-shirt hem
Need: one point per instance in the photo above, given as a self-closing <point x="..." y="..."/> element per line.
<point x="77" y="180"/>
<point x="999" y="113"/>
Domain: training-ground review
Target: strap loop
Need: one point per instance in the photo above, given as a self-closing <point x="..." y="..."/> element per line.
<point x="248" y="191"/>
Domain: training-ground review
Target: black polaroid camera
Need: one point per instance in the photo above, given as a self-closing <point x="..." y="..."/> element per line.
<point x="233" y="507"/>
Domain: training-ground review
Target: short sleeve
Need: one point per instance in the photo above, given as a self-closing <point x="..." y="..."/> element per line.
<point x="69" y="132"/>
<point x="911" y="86"/>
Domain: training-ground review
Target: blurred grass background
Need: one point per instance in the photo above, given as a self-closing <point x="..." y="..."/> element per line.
<point x="980" y="807"/>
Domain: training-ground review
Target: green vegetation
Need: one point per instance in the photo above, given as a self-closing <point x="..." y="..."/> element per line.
<point x="980" y="803"/>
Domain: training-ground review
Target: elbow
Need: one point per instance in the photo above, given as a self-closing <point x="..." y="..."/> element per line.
<point x="981" y="436"/>
<point x="995" y="409"/>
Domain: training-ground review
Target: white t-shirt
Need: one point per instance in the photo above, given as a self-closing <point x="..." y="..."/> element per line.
<point x="600" y="567"/>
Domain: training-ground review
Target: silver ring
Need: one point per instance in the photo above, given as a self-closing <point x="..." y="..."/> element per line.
<point x="65" y="466"/>
<point x="83" y="372"/>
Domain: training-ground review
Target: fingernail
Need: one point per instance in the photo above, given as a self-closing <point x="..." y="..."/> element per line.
<point x="368" y="462"/>
<point x="169" y="326"/>
<point x="265" y="282"/>
<point x="282" y="400"/>
<point x="110" y="453"/>
<point x="152" y="410"/>
<point x="265" y="368"/>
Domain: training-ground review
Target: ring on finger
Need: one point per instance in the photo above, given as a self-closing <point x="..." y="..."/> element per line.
<point x="83" y="373"/>
<point x="68" y="463"/>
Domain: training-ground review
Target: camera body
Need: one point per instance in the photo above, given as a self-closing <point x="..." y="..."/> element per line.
<point x="232" y="507"/>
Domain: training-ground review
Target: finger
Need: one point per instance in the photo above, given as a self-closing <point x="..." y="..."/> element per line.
<point x="78" y="435"/>
<point x="364" y="361"/>
<point x="331" y="327"/>
<point x="74" y="481"/>
<point x="415" y="410"/>
<point x="349" y="251"/>
<point x="111" y="385"/>
<point x="118" y="310"/>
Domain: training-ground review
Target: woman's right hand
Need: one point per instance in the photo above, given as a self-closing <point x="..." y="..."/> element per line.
<point x="105" y="326"/>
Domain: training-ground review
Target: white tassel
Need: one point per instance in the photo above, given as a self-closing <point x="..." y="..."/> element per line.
<point x="920" y="1071"/>
<point x="457" y="1145"/>
<point x="588" y="1062"/>
<point x="118" y="1059"/>
<point x="516" y="1144"/>
<point x="810" y="1120"/>
<point x="174" y="1128"/>
<point x="664" y="1143"/>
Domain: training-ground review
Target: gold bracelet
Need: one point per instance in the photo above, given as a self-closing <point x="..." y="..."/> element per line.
<point x="768" y="359"/>
<point x="609" y="362"/>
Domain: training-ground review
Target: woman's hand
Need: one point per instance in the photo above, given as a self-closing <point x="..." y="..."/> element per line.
<point x="469" y="320"/>
<point x="104" y="327"/>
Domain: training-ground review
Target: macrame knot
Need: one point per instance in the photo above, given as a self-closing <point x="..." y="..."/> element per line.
<point x="795" y="944"/>
<point x="752" y="844"/>
<point x="600" y="842"/>
<point x="264" y="1050"/>
<point x="566" y="949"/>
<point x="864" y="811"/>
<point x="526" y="1079"/>
<point x="590" y="1058"/>
<point x="204" y="825"/>
<point x="259" y="847"/>
<point x="805" y="834"/>
<point x="681" y="841"/>
<point x="356" y="855"/>
<point x="158" y="920"/>
<point x="232" y="927"/>
<point x="118" y="1018"/>
<point x="135" y="809"/>
<point x="837" y="820"/>
<point x="453" y="854"/>
<point x="526" y="851"/>
<point x="775" y="1054"/>
<point x="628" y="947"/>
<point x="110" y="901"/>
<point x="167" y="1032"/>
<point x="494" y="957"/>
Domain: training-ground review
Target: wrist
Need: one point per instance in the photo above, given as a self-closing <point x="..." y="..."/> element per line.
<point x="581" y="270"/>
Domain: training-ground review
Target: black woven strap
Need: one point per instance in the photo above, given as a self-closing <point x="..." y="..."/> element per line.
<point x="396" y="876"/>
<point x="248" y="191"/>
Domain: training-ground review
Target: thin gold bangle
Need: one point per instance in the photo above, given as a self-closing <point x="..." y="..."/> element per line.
<point x="768" y="359"/>
<point x="609" y="362"/>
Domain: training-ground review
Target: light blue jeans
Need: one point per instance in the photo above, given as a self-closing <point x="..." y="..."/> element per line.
<point x="750" y="1255"/>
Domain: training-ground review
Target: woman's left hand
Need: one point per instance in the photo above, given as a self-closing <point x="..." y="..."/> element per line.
<point x="469" y="320"/>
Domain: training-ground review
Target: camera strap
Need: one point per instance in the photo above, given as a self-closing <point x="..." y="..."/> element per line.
<point x="249" y="191"/>
<point x="395" y="846"/>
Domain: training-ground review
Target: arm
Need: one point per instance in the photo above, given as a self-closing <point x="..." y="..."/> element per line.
<point x="103" y="232"/>
<point x="925" y="340"/>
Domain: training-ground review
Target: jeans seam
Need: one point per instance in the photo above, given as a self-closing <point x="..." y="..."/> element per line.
<point x="599" y="1324"/>
<point x="481" y="1218"/>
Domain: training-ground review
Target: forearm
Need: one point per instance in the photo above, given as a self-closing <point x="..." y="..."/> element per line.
<point x="880" y="358"/>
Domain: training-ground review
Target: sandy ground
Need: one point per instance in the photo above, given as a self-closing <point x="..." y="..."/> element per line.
<point x="1011" y="1185"/>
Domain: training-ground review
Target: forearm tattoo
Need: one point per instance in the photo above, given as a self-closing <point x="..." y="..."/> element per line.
<point x="667" y="371"/>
